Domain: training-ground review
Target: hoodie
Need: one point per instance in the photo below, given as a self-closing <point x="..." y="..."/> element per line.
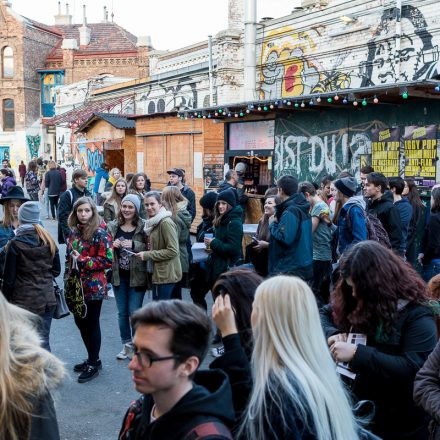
<point x="101" y="173"/>
<point x="388" y="214"/>
<point x="210" y="400"/>
<point x="7" y="182"/>
<point x="291" y="241"/>
<point x="355" y="230"/>
<point x="405" y="211"/>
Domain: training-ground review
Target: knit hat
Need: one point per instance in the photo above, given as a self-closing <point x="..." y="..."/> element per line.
<point x="240" y="168"/>
<point x="133" y="198"/>
<point x="347" y="186"/>
<point x="229" y="196"/>
<point x="29" y="213"/>
<point x="208" y="200"/>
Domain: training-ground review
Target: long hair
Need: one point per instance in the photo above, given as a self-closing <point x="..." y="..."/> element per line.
<point x="240" y="285"/>
<point x="27" y="371"/>
<point x="121" y="219"/>
<point x="170" y="198"/>
<point x="7" y="217"/>
<point x="219" y="217"/>
<point x="46" y="238"/>
<point x="380" y="279"/>
<point x="292" y="366"/>
<point x="114" y="196"/>
<point x="32" y="166"/>
<point x="435" y="194"/>
<point x="133" y="189"/>
<point x="413" y="194"/>
<point x="93" y="224"/>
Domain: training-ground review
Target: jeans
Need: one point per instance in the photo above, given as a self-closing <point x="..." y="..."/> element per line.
<point x="431" y="269"/>
<point x="162" y="291"/>
<point x="44" y="329"/>
<point x="46" y="203"/>
<point x="128" y="300"/>
<point x="53" y="200"/>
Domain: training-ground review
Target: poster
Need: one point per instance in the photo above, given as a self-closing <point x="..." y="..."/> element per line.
<point x="420" y="145"/>
<point x="255" y="135"/>
<point x="385" y="151"/>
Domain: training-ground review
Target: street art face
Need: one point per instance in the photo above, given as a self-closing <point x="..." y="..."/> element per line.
<point x="33" y="143"/>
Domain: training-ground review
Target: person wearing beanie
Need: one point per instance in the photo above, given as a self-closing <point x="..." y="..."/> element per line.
<point x="31" y="264"/>
<point x="226" y="246"/>
<point x="129" y="274"/>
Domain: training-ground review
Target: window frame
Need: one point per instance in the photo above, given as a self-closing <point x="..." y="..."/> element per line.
<point x="9" y="57"/>
<point x="6" y="111"/>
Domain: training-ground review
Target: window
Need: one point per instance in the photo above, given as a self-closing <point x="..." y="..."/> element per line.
<point x="7" y="62"/>
<point x="161" y="106"/>
<point x="8" y="115"/>
<point x="151" y="107"/>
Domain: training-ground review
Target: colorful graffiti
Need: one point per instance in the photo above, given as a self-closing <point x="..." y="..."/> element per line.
<point x="5" y="153"/>
<point x="33" y="143"/>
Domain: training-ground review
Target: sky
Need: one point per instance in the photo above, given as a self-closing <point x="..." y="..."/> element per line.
<point x="170" y="23"/>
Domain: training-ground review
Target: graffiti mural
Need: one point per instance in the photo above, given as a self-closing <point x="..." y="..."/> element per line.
<point x="5" y="153"/>
<point x="33" y="143"/>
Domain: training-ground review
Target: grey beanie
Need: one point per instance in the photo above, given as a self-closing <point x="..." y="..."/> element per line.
<point x="29" y="213"/>
<point x="347" y="186"/>
<point x="133" y="198"/>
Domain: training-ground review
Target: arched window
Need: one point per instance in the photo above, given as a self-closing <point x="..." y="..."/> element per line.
<point x="151" y="107"/>
<point x="7" y="62"/>
<point x="8" y="115"/>
<point x="160" y="106"/>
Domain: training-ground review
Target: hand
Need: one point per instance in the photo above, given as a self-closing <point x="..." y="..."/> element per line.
<point x="208" y="242"/>
<point x="224" y="316"/>
<point x="75" y="254"/>
<point x="261" y="244"/>
<point x="340" y="337"/>
<point x="343" y="351"/>
<point x="325" y="218"/>
<point x="127" y="244"/>
<point x="141" y="256"/>
<point x="117" y="243"/>
<point x="420" y="258"/>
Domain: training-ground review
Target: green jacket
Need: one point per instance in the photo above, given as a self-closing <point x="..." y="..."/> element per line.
<point x="109" y="211"/>
<point x="183" y="222"/>
<point x="226" y="246"/>
<point x="164" y="252"/>
<point x="138" y="268"/>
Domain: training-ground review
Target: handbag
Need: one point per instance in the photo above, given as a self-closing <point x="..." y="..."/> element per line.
<point x="73" y="291"/>
<point x="61" y="309"/>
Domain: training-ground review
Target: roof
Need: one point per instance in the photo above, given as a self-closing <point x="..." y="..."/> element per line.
<point x="116" y="120"/>
<point x="42" y="26"/>
<point x="105" y="38"/>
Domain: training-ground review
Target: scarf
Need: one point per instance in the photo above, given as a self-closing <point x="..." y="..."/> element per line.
<point x="152" y="222"/>
<point x="23" y="229"/>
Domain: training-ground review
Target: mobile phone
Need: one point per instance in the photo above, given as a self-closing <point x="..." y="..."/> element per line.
<point x="254" y="238"/>
<point x="129" y="251"/>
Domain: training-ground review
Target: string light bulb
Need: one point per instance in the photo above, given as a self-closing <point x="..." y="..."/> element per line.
<point x="376" y="100"/>
<point x="355" y="103"/>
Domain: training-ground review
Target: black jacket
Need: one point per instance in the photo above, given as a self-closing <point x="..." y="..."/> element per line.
<point x="385" y="371"/>
<point x="389" y="216"/>
<point x="65" y="206"/>
<point x="210" y="400"/>
<point x="431" y="239"/>
<point x="29" y="272"/>
<point x="188" y="193"/>
<point x="53" y="182"/>
<point x="44" y="423"/>
<point x="204" y="227"/>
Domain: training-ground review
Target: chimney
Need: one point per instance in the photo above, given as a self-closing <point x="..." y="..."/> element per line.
<point x="144" y="46"/>
<point x="105" y="15"/>
<point x="84" y="31"/>
<point x="63" y="19"/>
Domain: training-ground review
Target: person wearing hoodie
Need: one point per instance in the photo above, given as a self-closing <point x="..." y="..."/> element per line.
<point x="291" y="241"/>
<point x="226" y="246"/>
<point x="352" y="225"/>
<point x="98" y="187"/>
<point x="178" y="402"/>
<point x="397" y="185"/>
<point x="7" y="181"/>
<point x="381" y="204"/>
<point x="173" y="200"/>
<point x="32" y="262"/>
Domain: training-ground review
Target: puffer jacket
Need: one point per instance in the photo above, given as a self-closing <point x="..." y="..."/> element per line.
<point x="183" y="222"/>
<point x="96" y="255"/>
<point x="6" y="183"/>
<point x="138" y="268"/>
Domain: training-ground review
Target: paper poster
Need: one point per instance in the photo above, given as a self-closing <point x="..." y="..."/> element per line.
<point x="385" y="151"/>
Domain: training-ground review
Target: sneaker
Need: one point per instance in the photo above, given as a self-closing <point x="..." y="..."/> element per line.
<point x="130" y="350"/>
<point x="88" y="374"/>
<point x="110" y="293"/>
<point x="123" y="354"/>
<point x="218" y="351"/>
<point x="78" y="368"/>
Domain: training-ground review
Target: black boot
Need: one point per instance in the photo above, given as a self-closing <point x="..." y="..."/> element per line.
<point x="89" y="373"/>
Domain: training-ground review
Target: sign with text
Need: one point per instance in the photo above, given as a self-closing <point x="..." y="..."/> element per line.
<point x="385" y="151"/>
<point x="257" y="135"/>
<point x="420" y="146"/>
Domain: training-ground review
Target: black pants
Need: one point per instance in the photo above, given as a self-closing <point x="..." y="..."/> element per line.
<point x="199" y="286"/>
<point x="321" y="280"/>
<point x="53" y="205"/>
<point x="90" y="330"/>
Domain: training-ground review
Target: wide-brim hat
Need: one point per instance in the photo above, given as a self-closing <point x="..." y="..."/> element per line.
<point x="14" y="193"/>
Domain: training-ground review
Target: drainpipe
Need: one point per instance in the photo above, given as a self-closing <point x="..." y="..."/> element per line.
<point x="250" y="35"/>
<point x="211" y="85"/>
<point x="398" y="18"/>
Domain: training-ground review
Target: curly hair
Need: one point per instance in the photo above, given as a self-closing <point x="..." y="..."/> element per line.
<point x="380" y="278"/>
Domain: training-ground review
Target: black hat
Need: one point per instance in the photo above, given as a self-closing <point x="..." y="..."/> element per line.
<point x="229" y="196"/>
<point x="208" y="200"/>
<point x="14" y="193"/>
<point x="177" y="171"/>
<point x="347" y="186"/>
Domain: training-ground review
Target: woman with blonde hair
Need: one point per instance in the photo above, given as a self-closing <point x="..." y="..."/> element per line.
<point x="114" y="176"/>
<point x="28" y="373"/>
<point x="113" y="204"/>
<point x="173" y="200"/>
<point x="32" y="262"/>
<point x="296" y="392"/>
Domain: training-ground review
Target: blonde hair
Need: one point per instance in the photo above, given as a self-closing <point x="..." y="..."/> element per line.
<point x="51" y="165"/>
<point x="290" y="353"/>
<point x="114" y="196"/>
<point x="113" y="171"/>
<point x="170" y="197"/>
<point x="46" y="238"/>
<point x="7" y="217"/>
<point x="27" y="371"/>
<point x="93" y="224"/>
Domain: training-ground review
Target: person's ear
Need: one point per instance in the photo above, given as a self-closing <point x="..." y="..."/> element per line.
<point x="189" y="366"/>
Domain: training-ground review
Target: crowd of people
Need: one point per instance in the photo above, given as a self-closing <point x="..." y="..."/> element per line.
<point x="326" y="323"/>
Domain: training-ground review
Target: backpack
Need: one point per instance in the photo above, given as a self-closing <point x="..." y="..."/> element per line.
<point x="375" y="228"/>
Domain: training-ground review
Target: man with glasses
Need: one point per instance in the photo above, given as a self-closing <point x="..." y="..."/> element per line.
<point x="170" y="342"/>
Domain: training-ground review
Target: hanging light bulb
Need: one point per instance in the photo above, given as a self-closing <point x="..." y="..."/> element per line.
<point x="318" y="100"/>
<point x="289" y="102"/>
<point x="345" y="101"/>
<point x="296" y="105"/>
<point x="437" y="88"/>
<point x="259" y="108"/>
<point x="376" y="100"/>
<point x="405" y="95"/>
<point x="329" y="99"/>
<point x="248" y="111"/>
<point x="302" y="104"/>
<point x="355" y="103"/>
<point x="364" y="102"/>
<point x="271" y="106"/>
<point x="336" y="97"/>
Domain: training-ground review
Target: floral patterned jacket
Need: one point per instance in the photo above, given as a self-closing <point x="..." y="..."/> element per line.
<point x="96" y="256"/>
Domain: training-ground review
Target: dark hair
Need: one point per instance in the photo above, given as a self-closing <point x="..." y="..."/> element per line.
<point x="398" y="183"/>
<point x="155" y="194"/>
<point x="325" y="180"/>
<point x="120" y="218"/>
<point x="229" y="174"/>
<point x="134" y="180"/>
<point x="40" y="161"/>
<point x="288" y="184"/>
<point x="78" y="173"/>
<point x="6" y="172"/>
<point x="435" y="194"/>
<point x="413" y="194"/>
<point x="271" y="192"/>
<point x="344" y="174"/>
<point x="367" y="169"/>
<point x="129" y="177"/>
<point x="307" y="187"/>
<point x="378" y="179"/>
<point x="315" y="185"/>
<point x="241" y="285"/>
<point x="380" y="278"/>
<point x="32" y="166"/>
<point x="190" y="326"/>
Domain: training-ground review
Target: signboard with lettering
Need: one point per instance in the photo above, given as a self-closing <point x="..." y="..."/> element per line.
<point x="256" y="135"/>
<point x="385" y="151"/>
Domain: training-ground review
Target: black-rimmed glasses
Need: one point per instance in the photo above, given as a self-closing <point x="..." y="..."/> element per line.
<point x="146" y="360"/>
